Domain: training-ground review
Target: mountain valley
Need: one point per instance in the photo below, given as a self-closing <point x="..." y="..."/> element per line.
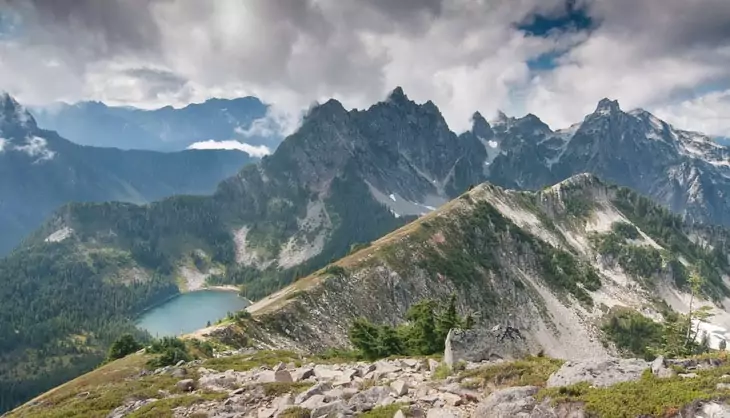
<point x="549" y="260"/>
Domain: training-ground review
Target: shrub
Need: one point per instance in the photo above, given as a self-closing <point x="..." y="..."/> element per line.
<point x="170" y="349"/>
<point x="122" y="347"/>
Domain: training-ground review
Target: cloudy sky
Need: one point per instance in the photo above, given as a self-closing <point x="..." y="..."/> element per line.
<point x="554" y="58"/>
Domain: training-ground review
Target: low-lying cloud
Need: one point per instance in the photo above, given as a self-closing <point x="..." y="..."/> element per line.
<point x="257" y="151"/>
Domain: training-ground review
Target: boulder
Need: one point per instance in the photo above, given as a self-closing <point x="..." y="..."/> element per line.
<point x="329" y="409"/>
<point x="186" y="385"/>
<point x="314" y="401"/>
<point x="510" y="402"/>
<point x="266" y="412"/>
<point x="479" y="344"/>
<point x="598" y="373"/>
<point x="302" y="374"/>
<point x="451" y="399"/>
<point x="399" y="387"/>
<point x="270" y="376"/>
<point x="317" y="389"/>
<point x="399" y="414"/>
<point x="367" y="399"/>
<point x="326" y="373"/>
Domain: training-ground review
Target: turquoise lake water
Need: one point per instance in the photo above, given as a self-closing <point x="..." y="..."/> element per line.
<point x="189" y="312"/>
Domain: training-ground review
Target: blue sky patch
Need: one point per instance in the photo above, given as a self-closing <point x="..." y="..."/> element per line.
<point x="574" y="19"/>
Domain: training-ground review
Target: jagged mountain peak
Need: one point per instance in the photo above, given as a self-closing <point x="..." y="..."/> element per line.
<point x="480" y="127"/>
<point x="607" y="106"/>
<point x="13" y="114"/>
<point x="397" y="95"/>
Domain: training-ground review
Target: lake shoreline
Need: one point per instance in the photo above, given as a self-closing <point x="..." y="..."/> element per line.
<point x="188" y="311"/>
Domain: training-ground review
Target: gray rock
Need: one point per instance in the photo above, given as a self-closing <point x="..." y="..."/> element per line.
<point x="329" y="409"/>
<point x="270" y="376"/>
<point x="314" y="401"/>
<point x="367" y="399"/>
<point x="507" y="403"/>
<point x="326" y="372"/>
<point x="599" y="373"/>
<point x="283" y="401"/>
<point x="399" y="387"/>
<point x="178" y="373"/>
<point x="480" y="344"/>
<point x="186" y="385"/>
<point x="280" y="366"/>
<point x="451" y="399"/>
<point x="723" y="386"/>
<point x="317" y="389"/>
<point x="302" y="374"/>
<point x="440" y="413"/>
<point x="432" y="365"/>
<point x="687" y="375"/>
<point x="129" y="407"/>
<point x="266" y="412"/>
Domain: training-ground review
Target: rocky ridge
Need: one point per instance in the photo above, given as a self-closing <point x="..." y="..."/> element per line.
<point x="534" y="262"/>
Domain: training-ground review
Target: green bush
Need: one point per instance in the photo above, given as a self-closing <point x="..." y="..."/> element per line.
<point x="170" y="349"/>
<point x="122" y="347"/>
<point x="424" y="333"/>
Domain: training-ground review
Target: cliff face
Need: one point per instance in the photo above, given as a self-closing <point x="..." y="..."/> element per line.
<point x="531" y="261"/>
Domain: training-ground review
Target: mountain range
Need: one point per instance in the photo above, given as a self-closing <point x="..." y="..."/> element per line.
<point x="164" y="129"/>
<point x="40" y="171"/>
<point x="344" y="179"/>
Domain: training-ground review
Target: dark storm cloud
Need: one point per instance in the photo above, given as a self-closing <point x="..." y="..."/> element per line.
<point x="465" y="55"/>
<point x="106" y="26"/>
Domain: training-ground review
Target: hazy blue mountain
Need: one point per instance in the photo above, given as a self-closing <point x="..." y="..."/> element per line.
<point x="40" y="171"/>
<point x="164" y="129"/>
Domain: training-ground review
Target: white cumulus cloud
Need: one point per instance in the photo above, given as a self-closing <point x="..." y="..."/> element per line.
<point x="252" y="150"/>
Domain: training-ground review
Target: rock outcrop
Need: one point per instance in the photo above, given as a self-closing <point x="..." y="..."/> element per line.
<point x="480" y="344"/>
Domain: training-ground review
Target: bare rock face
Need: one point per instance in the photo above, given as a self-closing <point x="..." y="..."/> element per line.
<point x="598" y="373"/>
<point x="500" y="342"/>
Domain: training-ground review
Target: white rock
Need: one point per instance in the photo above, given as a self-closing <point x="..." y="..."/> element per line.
<point x="314" y="401"/>
<point x="280" y="366"/>
<point x="399" y="414"/>
<point x="432" y="365"/>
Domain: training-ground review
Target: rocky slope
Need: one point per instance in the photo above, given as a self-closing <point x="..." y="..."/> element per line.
<point x="40" y="171"/>
<point x="262" y="384"/>
<point x="164" y="129"/>
<point x="535" y="261"/>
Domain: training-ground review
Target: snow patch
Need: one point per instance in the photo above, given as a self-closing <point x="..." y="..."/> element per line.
<point x="492" y="143"/>
<point x="60" y="235"/>
<point x="392" y="197"/>
<point x="3" y="143"/>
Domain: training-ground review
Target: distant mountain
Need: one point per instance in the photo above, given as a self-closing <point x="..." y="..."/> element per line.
<point x="40" y="171"/>
<point x="164" y="129"/>
<point x="342" y="180"/>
